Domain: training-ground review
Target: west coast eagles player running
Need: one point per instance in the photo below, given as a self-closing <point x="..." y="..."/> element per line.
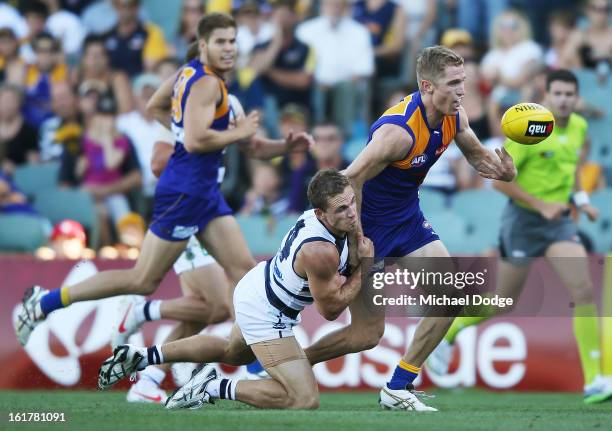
<point x="536" y="223"/>
<point x="309" y="267"/>
<point x="187" y="199"/>
<point x="404" y="143"/>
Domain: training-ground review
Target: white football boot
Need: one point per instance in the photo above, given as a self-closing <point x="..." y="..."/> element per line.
<point x="439" y="360"/>
<point x="146" y="391"/>
<point x="404" y="399"/>
<point x="193" y="395"/>
<point x="25" y="315"/>
<point x="126" y="361"/>
<point x="130" y="322"/>
<point x="599" y="390"/>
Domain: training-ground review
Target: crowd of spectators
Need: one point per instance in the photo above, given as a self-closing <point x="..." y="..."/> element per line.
<point x="76" y="75"/>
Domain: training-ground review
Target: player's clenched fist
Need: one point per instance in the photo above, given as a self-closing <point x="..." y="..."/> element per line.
<point x="249" y="124"/>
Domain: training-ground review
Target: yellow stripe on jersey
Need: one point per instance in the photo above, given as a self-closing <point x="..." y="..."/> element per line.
<point x="223" y="107"/>
<point x="421" y="136"/>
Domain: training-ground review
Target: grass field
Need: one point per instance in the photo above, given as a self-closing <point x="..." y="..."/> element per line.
<point x="460" y="410"/>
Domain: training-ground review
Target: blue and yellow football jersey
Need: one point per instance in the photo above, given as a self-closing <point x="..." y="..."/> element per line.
<point x="391" y="197"/>
<point x="196" y="174"/>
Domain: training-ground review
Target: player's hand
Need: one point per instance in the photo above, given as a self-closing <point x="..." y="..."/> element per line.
<point x="365" y="247"/>
<point x="248" y="125"/>
<point x="497" y="168"/>
<point x="299" y="141"/>
<point x="591" y="212"/>
<point x="552" y="210"/>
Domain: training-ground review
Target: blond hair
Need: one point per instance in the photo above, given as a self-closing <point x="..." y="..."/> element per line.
<point x="433" y="61"/>
<point x="524" y="28"/>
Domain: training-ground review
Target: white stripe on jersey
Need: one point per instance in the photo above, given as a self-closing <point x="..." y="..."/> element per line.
<point x="291" y="289"/>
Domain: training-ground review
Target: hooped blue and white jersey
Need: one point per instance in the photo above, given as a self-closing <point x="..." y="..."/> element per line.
<point x="195" y="174"/>
<point x="285" y="289"/>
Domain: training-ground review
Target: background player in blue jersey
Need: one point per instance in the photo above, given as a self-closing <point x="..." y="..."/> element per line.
<point x="403" y="144"/>
<point x="187" y="199"/>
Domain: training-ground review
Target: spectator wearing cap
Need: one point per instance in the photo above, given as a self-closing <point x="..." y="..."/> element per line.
<point x="142" y="130"/>
<point x="95" y="65"/>
<point x="18" y="140"/>
<point x="134" y="46"/>
<point x="285" y="65"/>
<point x="67" y="241"/>
<point x="46" y="70"/>
<point x="106" y="165"/>
<point x="12" y="66"/>
<point x="131" y="231"/>
<point x="344" y="59"/>
<point x="63" y="131"/>
<point x="191" y="12"/>
<point x="475" y="98"/>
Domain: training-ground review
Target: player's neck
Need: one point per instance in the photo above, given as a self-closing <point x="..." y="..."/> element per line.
<point x="562" y="121"/>
<point x="434" y="117"/>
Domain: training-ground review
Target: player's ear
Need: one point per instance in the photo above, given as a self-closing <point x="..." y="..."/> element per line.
<point x="426" y="85"/>
<point x="202" y="45"/>
<point x="319" y="213"/>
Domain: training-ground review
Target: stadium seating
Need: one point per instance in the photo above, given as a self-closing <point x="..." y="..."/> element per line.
<point x="259" y="233"/>
<point x="482" y="211"/>
<point x="60" y="204"/>
<point x="451" y="228"/>
<point x="21" y="233"/>
<point x="431" y="201"/>
<point x="33" y="178"/>
<point x="600" y="231"/>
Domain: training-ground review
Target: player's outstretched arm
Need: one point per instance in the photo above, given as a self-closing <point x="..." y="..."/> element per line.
<point x="199" y="115"/>
<point x="160" y="103"/>
<point x="389" y="144"/>
<point x="263" y="148"/>
<point x="496" y="166"/>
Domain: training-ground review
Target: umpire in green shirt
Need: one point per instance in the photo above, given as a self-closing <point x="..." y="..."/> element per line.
<point x="536" y="222"/>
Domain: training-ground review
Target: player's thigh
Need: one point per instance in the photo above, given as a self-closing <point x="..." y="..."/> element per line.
<point x="237" y="351"/>
<point x="157" y="256"/>
<point x="285" y="361"/>
<point x="223" y="238"/>
<point x="432" y="249"/>
<point x="206" y="282"/>
<point x="570" y="261"/>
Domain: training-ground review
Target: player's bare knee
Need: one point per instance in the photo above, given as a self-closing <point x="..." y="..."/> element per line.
<point x="366" y="337"/>
<point x="582" y="292"/>
<point x="303" y="400"/>
<point x="221" y="313"/>
<point x="138" y="282"/>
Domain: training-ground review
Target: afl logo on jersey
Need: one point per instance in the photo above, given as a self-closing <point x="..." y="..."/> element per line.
<point x="418" y="161"/>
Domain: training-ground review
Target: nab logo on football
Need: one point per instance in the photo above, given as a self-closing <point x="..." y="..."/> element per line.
<point x="539" y="128"/>
<point x="418" y="160"/>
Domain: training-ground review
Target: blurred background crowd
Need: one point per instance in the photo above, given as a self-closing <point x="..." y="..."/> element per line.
<point x="76" y="141"/>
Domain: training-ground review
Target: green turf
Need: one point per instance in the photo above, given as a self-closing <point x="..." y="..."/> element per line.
<point x="460" y="410"/>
